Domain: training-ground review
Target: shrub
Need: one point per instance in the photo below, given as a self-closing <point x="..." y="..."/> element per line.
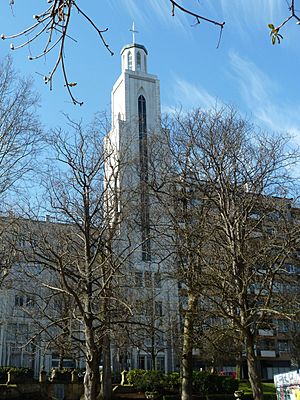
<point x="204" y="382"/>
<point x="135" y="376"/>
<point x="171" y="381"/>
<point x="145" y="380"/>
<point x="207" y="383"/>
<point x="229" y="384"/>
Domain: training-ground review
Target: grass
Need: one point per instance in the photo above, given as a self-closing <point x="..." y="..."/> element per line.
<point x="268" y="389"/>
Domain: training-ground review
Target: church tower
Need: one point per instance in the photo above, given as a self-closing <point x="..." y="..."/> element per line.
<point x="136" y="146"/>
<point x="136" y="91"/>
<point x="136" y="116"/>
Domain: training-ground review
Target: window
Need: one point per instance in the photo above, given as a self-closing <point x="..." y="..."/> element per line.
<point x="283" y="345"/>
<point x="141" y="362"/>
<point x="19" y="300"/>
<point x="160" y="363"/>
<point x="160" y="338"/>
<point x="255" y="215"/>
<point x="283" y="326"/>
<point x="29" y="301"/>
<point x="138" y="279"/>
<point x="266" y="344"/>
<point x="142" y="116"/>
<point x="148" y="279"/>
<point x="145" y="63"/>
<point x="129" y="60"/>
<point x="290" y="268"/>
<point x="138" y="61"/>
<point x="143" y="148"/>
<point x="158" y="309"/>
<point x="157" y="279"/>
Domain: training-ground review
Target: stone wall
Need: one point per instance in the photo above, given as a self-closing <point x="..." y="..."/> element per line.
<point x="41" y="391"/>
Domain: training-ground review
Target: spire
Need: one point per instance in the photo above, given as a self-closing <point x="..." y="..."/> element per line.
<point x="133" y="33"/>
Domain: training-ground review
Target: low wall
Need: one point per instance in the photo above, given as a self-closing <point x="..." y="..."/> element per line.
<point x="41" y="391"/>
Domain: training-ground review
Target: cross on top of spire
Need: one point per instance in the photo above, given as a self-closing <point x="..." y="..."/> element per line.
<point x="133" y="32"/>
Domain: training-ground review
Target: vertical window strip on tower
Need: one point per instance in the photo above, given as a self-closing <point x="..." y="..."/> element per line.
<point x="129" y="60"/>
<point x="145" y="220"/>
<point x="138" y="61"/>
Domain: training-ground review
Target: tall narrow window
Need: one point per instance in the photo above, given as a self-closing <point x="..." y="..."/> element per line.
<point x="129" y="60"/>
<point x="138" y="61"/>
<point x="145" y="220"/>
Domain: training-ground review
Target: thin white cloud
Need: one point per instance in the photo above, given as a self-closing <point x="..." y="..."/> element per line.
<point x="264" y="98"/>
<point x="254" y="15"/>
<point x="248" y="13"/>
<point x="145" y="12"/>
<point x="246" y="18"/>
<point x="189" y="95"/>
<point x="134" y="10"/>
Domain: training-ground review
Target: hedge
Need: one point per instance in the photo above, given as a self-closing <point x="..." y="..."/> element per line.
<point x="203" y="382"/>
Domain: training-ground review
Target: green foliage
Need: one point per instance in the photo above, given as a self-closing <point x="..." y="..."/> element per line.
<point x="229" y="384"/>
<point x="203" y="382"/>
<point x="275" y="35"/>
<point x="145" y="380"/>
<point x="171" y="381"/>
<point x="268" y="387"/>
<point x="134" y="376"/>
<point x="268" y="396"/>
<point x="207" y="383"/>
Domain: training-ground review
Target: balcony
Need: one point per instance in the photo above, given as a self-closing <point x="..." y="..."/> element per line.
<point x="267" y="353"/>
<point x="266" y="332"/>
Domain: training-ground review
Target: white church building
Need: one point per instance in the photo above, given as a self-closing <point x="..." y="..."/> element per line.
<point x="137" y="140"/>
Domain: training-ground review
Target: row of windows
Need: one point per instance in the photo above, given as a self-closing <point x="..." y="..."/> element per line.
<point x="147" y="279"/>
<point x="149" y="308"/>
<point x="145" y="362"/>
<point x="27" y="301"/>
<point x="282" y="345"/>
<point x="138" y="61"/>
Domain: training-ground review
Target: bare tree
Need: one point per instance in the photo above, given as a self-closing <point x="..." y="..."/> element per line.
<point x="187" y="232"/>
<point x="236" y="233"/>
<point x="80" y="246"/>
<point x="20" y="134"/>
<point x="19" y="126"/>
<point x="53" y="25"/>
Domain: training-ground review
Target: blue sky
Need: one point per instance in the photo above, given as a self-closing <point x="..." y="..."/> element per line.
<point x="261" y="80"/>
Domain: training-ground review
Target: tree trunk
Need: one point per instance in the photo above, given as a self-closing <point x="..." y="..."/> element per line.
<point x="239" y="362"/>
<point x="106" y="383"/>
<point x="187" y="349"/>
<point x="91" y="376"/>
<point x="153" y="355"/>
<point x="254" y="376"/>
